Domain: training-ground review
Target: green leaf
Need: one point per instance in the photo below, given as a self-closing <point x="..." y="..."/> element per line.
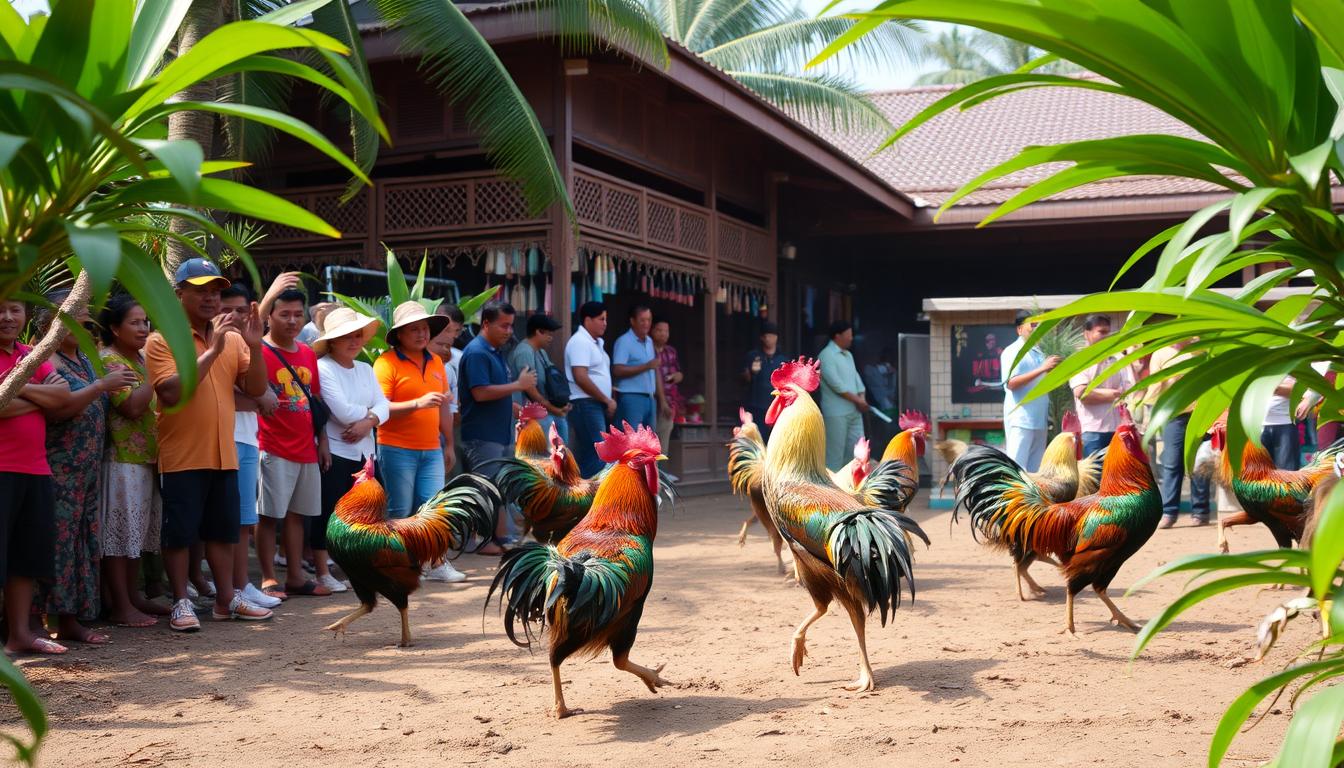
<point x="229" y="196"/>
<point x="1205" y="591"/>
<point x="99" y="251"/>
<point x="396" y="281"/>
<point x="183" y="159"/>
<point x="156" y="24"/>
<point x="1311" y="736"/>
<point x="29" y="706"/>
<point x="1241" y="708"/>
<point x="1327" y="545"/>
<point x="1246" y="204"/>
<point x="1310" y="164"/>
<point x="9" y="146"/>
<point x="143" y="278"/>
<point x="293" y="12"/>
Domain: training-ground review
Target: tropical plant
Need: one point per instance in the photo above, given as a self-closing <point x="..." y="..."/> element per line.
<point x="399" y="291"/>
<point x="766" y="44"/>
<point x="84" y="100"/>
<point x="1262" y="81"/>
<point x="1062" y="340"/>
<point x="966" y="56"/>
<point x="30" y="708"/>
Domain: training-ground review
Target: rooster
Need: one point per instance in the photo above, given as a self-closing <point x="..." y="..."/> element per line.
<point x="384" y="557"/>
<point x="843" y="550"/>
<point x="850" y="477"/>
<point x="587" y="592"/>
<point x="1276" y="497"/>
<point x="1091" y="536"/>
<point x="906" y="448"/>
<point x="745" y="454"/>
<point x="1062" y="477"/>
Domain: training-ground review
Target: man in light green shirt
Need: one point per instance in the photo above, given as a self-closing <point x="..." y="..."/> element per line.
<point x="842" y="401"/>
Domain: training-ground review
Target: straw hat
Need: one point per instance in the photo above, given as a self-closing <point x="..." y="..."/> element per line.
<point x="409" y="312"/>
<point x="343" y="321"/>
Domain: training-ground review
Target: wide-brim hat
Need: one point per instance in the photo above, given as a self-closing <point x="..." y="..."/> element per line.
<point x="409" y="312"/>
<point x="343" y="321"/>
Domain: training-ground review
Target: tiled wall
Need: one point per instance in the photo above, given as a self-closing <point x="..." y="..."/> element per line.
<point x="940" y="378"/>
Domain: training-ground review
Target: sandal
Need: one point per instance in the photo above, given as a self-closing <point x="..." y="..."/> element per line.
<point x="41" y="646"/>
<point x="274" y="590"/>
<point x="309" y="588"/>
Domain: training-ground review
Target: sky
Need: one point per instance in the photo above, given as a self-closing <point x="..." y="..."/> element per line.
<point x="871" y="78"/>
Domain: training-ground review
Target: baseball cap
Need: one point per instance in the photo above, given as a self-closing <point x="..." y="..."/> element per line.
<point x="198" y="271"/>
<point x="537" y="323"/>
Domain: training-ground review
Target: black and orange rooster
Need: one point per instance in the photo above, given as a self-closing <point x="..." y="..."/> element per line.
<point x="745" y="453"/>
<point x="543" y="479"/>
<point x="384" y="557"/>
<point x="1278" y="498"/>
<point x="894" y="482"/>
<point x="1062" y="477"/>
<point x="587" y="592"/>
<point x="843" y="549"/>
<point x="1091" y="536"/>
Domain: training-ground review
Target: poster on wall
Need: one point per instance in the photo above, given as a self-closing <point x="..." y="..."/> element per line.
<point x="975" y="362"/>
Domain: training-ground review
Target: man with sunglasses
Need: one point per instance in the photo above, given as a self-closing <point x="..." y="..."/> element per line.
<point x="1025" y="426"/>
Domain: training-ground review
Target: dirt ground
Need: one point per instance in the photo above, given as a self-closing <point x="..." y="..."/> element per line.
<point x="966" y="675"/>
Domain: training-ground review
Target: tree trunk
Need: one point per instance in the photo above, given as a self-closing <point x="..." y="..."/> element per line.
<point x="44" y="349"/>
<point x="204" y="17"/>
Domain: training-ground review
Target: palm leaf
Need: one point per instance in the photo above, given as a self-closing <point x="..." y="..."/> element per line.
<point x="817" y="99"/>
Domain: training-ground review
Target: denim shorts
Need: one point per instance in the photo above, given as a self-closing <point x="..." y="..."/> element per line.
<point x="248" y="457"/>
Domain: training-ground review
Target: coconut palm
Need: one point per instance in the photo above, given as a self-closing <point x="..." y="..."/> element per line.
<point x="966" y="56"/>
<point x="766" y="44"/>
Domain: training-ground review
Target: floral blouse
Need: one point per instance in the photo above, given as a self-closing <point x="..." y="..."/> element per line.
<point x="130" y="441"/>
<point x="668" y="364"/>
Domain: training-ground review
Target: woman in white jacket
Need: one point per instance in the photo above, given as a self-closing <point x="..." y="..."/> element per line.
<point x="357" y="405"/>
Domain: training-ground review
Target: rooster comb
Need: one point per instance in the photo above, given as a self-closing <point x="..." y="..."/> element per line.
<point x="1070" y="423"/>
<point x="532" y="412"/>
<point x="616" y="444"/>
<point x="914" y="420"/>
<point x="745" y="416"/>
<point x="804" y="372"/>
<point x="862" y="451"/>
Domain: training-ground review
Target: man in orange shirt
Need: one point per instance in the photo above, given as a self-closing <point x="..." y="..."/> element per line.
<point x="198" y="462"/>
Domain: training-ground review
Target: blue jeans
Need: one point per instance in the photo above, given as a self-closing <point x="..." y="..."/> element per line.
<point x="410" y="477"/>
<point x="635" y="409"/>
<point x="248" y="456"/>
<point x="586" y="422"/>
<point x="1172" y="463"/>
<point x="477" y="452"/>
<point x="1284" y="444"/>
<point x="1095" y="441"/>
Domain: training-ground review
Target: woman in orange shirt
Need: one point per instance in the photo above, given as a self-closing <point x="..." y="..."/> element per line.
<point x="414" y="461"/>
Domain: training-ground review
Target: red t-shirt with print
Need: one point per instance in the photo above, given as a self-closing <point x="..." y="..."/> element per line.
<point x="24" y="447"/>
<point x="288" y="433"/>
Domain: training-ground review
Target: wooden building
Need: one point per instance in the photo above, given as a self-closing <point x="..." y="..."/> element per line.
<point x="684" y="184"/>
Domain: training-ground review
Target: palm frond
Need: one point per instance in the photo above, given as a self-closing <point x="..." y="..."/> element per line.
<point x="792" y="44"/>
<point x="626" y="24"/>
<point x="718" y="21"/>
<point x="817" y="99"/>
<point x="462" y="65"/>
<point x="336" y="20"/>
<point x="249" y="140"/>
<point x="951" y="77"/>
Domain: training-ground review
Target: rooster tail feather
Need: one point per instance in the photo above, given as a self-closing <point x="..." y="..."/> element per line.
<point x="523" y="577"/>
<point x="1089" y="473"/>
<point x="890" y="486"/>
<point x="870" y="548"/>
<point x="515" y="478"/>
<point x="745" y="459"/>
<point x="467" y="506"/>
<point x="1002" y="501"/>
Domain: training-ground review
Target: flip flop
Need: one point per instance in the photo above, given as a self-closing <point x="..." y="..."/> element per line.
<point x="274" y="590"/>
<point x="309" y="589"/>
<point x="41" y="646"/>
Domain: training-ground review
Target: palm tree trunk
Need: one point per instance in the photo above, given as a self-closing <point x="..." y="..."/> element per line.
<point x="44" y="349"/>
<point x="204" y="17"/>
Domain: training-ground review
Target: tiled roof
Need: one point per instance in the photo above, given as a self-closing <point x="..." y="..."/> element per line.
<point x="938" y="157"/>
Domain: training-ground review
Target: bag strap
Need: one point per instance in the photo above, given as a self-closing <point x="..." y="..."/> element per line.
<point x="285" y="362"/>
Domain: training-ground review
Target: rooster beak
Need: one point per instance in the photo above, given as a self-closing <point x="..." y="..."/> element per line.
<point x="660" y="457"/>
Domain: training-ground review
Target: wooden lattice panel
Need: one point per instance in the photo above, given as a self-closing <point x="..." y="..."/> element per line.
<point x="422" y="207"/>
<point x="500" y="202"/>
<point x="352" y="218"/>
<point x="622" y="210"/>
<point x="587" y="200"/>
<point x="744" y="246"/>
<point x="694" y="228"/>
<point x="662" y="223"/>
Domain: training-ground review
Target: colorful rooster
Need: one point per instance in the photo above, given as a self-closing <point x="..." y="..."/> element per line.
<point x="1276" y="497"/>
<point x="745" y="455"/>
<point x="850" y="476"/>
<point x="587" y="592"/>
<point x="899" y="484"/>
<point x="843" y="549"/>
<point x="1091" y="536"/>
<point x="384" y="557"/>
<point x="1061" y="478"/>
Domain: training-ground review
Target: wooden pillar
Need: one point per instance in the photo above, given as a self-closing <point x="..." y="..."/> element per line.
<point x="772" y="224"/>
<point x="711" y="307"/>
<point x="562" y="230"/>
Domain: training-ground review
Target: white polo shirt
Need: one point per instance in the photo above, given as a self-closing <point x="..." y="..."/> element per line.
<point x="586" y="352"/>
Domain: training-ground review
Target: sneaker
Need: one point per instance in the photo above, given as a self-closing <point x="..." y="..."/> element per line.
<point x="445" y="573"/>
<point x="332" y="583"/>
<point x="280" y="560"/>
<point x="309" y="567"/>
<point x="1198" y="521"/>
<point x="184" y="617"/>
<point x="1167" y="521"/>
<point x="242" y="610"/>
<point x="256" y="597"/>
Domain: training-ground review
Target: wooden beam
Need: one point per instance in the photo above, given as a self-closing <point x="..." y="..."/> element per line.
<point x="711" y="351"/>
<point x="562" y="230"/>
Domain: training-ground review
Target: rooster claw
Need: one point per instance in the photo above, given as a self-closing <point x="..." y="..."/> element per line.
<point x="799" y="653"/>
<point x="560" y="713"/>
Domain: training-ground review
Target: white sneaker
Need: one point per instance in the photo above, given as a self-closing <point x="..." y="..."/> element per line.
<point x="445" y="573"/>
<point x="280" y="560"/>
<point x="256" y="597"/>
<point x="332" y="583"/>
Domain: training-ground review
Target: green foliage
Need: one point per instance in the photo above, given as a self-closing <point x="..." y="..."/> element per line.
<point x="766" y="45"/>
<point x="30" y="707"/>
<point x="965" y="57"/>
<point x="84" y="99"/>
<point x="1062" y="340"/>
<point x="1262" y="81"/>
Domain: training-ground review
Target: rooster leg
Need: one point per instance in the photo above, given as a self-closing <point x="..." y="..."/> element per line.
<point x="742" y="534"/>
<point x="1023" y="573"/>
<point x="1116" y="615"/>
<point x="405" y="629"/>
<point x="561" y="711"/>
<point x="1048" y="560"/>
<point x="339" y="627"/>
<point x="865" y="679"/>
<point x="800" y="634"/>
<point x="1068" y="612"/>
<point x="650" y="677"/>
